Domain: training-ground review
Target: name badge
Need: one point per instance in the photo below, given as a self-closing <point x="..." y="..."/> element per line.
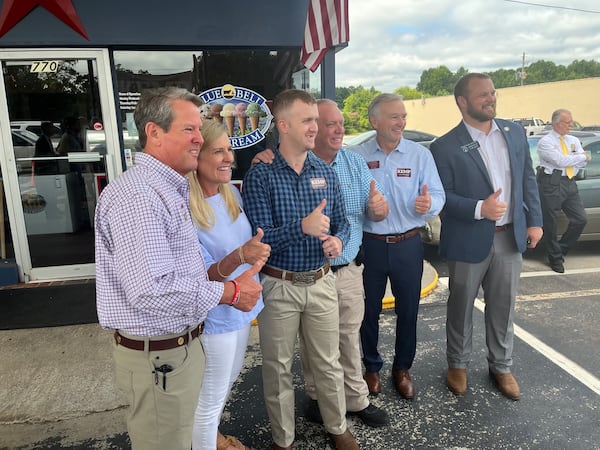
<point x="403" y="172"/>
<point x="318" y="183"/>
<point x="373" y="164"/>
<point x="470" y="146"/>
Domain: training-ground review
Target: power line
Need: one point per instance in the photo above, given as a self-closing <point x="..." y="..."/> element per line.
<point x="554" y="6"/>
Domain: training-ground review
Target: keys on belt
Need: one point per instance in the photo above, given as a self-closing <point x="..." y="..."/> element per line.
<point x="297" y="278"/>
<point x="158" y="344"/>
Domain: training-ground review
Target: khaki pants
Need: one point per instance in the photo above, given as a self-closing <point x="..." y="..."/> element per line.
<point x="160" y="418"/>
<point x="312" y="312"/>
<point x="351" y="301"/>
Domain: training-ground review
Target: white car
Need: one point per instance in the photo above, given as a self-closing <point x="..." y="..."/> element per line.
<point x="420" y="137"/>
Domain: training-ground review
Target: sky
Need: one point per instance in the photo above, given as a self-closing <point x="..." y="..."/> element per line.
<point x="393" y="41"/>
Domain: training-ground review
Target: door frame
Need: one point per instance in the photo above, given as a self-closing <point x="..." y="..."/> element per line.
<point x="9" y="171"/>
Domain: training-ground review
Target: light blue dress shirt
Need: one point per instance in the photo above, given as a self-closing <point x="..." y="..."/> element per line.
<point x="402" y="174"/>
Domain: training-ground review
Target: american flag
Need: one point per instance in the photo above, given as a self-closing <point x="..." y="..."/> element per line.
<point x="326" y="26"/>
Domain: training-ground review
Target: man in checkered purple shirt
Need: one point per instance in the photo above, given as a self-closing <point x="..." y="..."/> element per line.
<point x="151" y="282"/>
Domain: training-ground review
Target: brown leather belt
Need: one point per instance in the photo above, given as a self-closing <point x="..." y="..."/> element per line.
<point x="334" y="269"/>
<point x="298" y="278"/>
<point x="158" y="345"/>
<point x="504" y="227"/>
<point x="392" y="238"/>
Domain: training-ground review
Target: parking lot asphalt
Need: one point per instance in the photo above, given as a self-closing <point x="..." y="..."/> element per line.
<point x="57" y="387"/>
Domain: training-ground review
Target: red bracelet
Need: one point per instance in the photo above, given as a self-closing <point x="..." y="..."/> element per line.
<point x="236" y="295"/>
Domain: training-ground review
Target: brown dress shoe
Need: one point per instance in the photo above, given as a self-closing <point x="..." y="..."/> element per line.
<point x="456" y="379"/>
<point x="230" y="441"/>
<point x="506" y="383"/>
<point x="277" y="447"/>
<point x="403" y="383"/>
<point x="373" y="382"/>
<point x="345" y="441"/>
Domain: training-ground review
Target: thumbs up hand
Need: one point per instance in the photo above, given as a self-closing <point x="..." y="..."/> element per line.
<point x="316" y="223"/>
<point x="492" y="208"/>
<point x="423" y="201"/>
<point x="250" y="289"/>
<point x="254" y="250"/>
<point x="377" y="206"/>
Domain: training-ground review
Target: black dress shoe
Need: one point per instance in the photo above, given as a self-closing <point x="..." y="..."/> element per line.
<point x="312" y="412"/>
<point x="557" y="266"/>
<point x="372" y="416"/>
<point x="373" y="382"/>
<point x="403" y="383"/>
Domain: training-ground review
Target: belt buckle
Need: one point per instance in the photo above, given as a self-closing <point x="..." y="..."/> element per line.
<point x="304" y="278"/>
<point x="391" y="239"/>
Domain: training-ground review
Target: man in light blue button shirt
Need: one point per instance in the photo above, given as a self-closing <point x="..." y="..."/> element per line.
<point x="392" y="247"/>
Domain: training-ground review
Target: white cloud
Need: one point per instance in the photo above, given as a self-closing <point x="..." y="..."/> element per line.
<point x="393" y="41"/>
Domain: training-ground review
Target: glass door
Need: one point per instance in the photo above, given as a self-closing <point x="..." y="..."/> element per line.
<point x="60" y="141"/>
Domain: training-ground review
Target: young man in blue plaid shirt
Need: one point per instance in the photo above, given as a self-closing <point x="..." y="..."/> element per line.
<point x="298" y="203"/>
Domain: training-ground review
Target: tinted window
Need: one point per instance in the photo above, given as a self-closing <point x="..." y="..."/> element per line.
<point x="18" y="141"/>
<point x="593" y="166"/>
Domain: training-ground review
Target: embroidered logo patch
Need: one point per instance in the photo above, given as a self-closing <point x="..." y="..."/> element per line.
<point x="373" y="164"/>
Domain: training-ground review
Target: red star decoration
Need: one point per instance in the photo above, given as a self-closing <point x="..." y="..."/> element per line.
<point x="13" y="11"/>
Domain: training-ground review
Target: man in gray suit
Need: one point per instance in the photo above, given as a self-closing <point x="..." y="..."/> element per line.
<point x="492" y="214"/>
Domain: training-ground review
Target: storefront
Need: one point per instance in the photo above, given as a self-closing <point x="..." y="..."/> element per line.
<point x="79" y="67"/>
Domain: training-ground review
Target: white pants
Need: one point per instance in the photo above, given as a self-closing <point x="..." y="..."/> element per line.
<point x="224" y="360"/>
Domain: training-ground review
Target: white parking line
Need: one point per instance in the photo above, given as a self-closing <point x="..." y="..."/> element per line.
<point x="557" y="295"/>
<point x="572" y="368"/>
<point x="548" y="273"/>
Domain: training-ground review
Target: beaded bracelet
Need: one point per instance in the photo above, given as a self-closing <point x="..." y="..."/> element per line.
<point x="236" y="295"/>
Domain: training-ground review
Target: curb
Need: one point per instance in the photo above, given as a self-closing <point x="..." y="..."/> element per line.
<point x="388" y="302"/>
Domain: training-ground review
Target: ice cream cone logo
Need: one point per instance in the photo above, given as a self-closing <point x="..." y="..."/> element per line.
<point x="240" y="112"/>
<point x="228" y="113"/>
<point x="254" y="112"/>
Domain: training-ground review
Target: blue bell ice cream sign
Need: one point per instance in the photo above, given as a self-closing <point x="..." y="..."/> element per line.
<point x="242" y="111"/>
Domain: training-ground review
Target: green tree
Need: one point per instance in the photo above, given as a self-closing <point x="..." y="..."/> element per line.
<point x="544" y="72"/>
<point x="341" y="93"/>
<point x="408" y="93"/>
<point x="355" y="109"/>
<point x="584" y="69"/>
<point x="437" y="81"/>
<point x="505" y="78"/>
